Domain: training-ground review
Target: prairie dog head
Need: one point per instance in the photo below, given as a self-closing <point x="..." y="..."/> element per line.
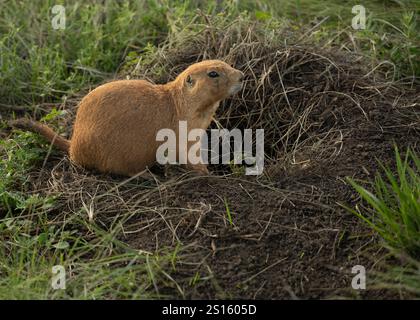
<point x="206" y="83"/>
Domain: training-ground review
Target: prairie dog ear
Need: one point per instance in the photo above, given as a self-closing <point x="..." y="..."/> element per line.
<point x="189" y="81"/>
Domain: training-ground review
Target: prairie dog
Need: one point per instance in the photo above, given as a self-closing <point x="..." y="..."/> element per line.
<point x="116" y="123"/>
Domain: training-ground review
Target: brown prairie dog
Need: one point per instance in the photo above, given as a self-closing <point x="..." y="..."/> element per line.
<point x="116" y="123"/>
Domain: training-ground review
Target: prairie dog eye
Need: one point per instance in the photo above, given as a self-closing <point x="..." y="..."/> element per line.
<point x="189" y="81"/>
<point x="213" y="74"/>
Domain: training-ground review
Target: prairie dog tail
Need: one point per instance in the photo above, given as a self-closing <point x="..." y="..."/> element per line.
<point x="43" y="130"/>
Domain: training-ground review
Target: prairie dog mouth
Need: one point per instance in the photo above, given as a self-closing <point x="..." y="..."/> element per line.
<point x="236" y="88"/>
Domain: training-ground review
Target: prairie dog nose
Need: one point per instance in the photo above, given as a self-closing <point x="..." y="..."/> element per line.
<point x="241" y="76"/>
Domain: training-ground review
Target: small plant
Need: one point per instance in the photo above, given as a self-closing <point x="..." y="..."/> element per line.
<point x="395" y="204"/>
<point x="194" y="280"/>
<point x="229" y="215"/>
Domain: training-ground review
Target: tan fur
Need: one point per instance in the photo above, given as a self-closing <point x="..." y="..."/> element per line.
<point x="116" y="124"/>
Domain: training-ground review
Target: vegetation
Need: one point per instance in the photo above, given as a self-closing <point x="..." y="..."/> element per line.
<point x="41" y="64"/>
<point x="395" y="206"/>
<point x="394" y="213"/>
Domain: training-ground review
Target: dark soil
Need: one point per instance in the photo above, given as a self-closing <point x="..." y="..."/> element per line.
<point x="290" y="238"/>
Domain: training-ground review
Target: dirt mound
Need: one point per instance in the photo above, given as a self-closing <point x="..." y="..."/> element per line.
<point x="306" y="99"/>
<point x="326" y="116"/>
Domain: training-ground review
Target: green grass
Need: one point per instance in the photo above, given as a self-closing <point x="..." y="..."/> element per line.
<point x="97" y="267"/>
<point x="394" y="205"/>
<point x="393" y="211"/>
<point x="391" y="28"/>
<point x="17" y="157"/>
<point x="41" y="64"/>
